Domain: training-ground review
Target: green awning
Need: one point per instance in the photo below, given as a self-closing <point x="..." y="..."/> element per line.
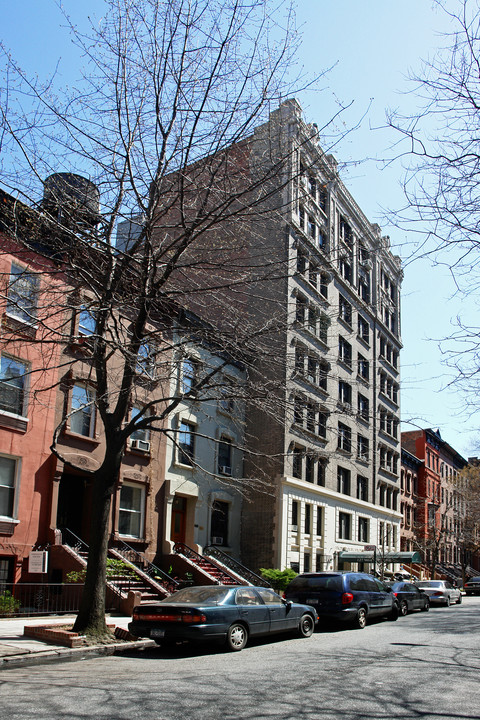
<point x="391" y="557"/>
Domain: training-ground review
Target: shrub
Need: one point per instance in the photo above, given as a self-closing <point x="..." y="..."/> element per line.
<point x="8" y="604"/>
<point x="279" y="579"/>
<point x="114" y="568"/>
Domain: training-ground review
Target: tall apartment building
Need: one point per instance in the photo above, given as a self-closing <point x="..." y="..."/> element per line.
<point x="332" y="452"/>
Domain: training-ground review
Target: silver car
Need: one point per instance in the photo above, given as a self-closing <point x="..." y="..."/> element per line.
<point x="440" y="591"/>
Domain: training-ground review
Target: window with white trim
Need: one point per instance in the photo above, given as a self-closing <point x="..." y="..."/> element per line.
<point x="13" y="385"/>
<point x="131" y="512"/>
<point x="186" y="443"/>
<point x="9" y="469"/>
<point x="22" y="294"/>
<point x="82" y="406"/>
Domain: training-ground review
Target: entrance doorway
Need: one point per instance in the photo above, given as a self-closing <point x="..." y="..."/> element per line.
<point x="73" y="497"/>
<point x="179" y="519"/>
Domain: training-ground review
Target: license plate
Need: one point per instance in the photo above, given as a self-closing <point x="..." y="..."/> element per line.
<point x="157" y="633"/>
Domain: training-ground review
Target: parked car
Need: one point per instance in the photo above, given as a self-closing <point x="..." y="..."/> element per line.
<point x="346" y="596"/>
<point x="222" y="613"/>
<point x="472" y="586"/>
<point x="410" y="597"/>
<point x="440" y="592"/>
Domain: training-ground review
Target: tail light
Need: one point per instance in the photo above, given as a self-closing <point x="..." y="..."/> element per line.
<point x="183" y="618"/>
<point x="347" y="598"/>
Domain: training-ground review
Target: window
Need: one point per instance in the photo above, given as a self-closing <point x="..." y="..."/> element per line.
<point x="130" y="516"/>
<point x="8" y="478"/>
<point x="321" y="472"/>
<point x="86" y="322"/>
<point x="298" y="411"/>
<point x="344" y="526"/>
<point x="322" y="199"/>
<point x="363" y="407"/>
<point x="363" y="330"/>
<point x="324" y="367"/>
<point x="22" y="294"/>
<point x="226" y="403"/>
<point x="311" y="228"/>
<point x="309" y="469"/>
<point x="225" y="456"/>
<point x="322" y="424"/>
<point x="312" y="320"/>
<point x="344" y="352"/>
<point x="362" y="488"/>
<point x="189" y="376"/>
<point x="297" y="462"/>
<point x="324" y="324"/>
<point x="219" y="523"/>
<point x="344" y="310"/>
<point x="362" y="529"/>
<point x="324" y="280"/>
<point x="344" y="393"/>
<point x="186" y="443"/>
<point x="308" y="519"/>
<point x="301" y="310"/>
<point x="142" y="434"/>
<point x="306" y="562"/>
<point x="344" y="438"/>
<point x="343" y="481"/>
<point x="299" y="360"/>
<point x="146" y="360"/>
<point x="313" y="275"/>
<point x="13" y="385"/>
<point x="363" y="367"/>
<point x="301" y="262"/>
<point x="294" y="514"/>
<point x="319" y="530"/>
<point x="301" y="217"/>
<point x="312" y="187"/>
<point x="311" y="416"/>
<point x="82" y="419"/>
<point x="363" y="448"/>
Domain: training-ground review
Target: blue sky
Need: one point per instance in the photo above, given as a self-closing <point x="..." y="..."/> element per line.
<point x="372" y="45"/>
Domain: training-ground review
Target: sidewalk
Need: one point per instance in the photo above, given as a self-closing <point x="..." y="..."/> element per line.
<point x="19" y="651"/>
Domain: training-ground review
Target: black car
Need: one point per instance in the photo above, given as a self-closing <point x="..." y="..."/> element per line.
<point x="472" y="586"/>
<point x="346" y="596"/>
<point x="410" y="597"/>
<point x="223" y="613"/>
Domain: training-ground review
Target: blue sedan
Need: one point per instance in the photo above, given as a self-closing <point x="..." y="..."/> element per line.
<point x="223" y="613"/>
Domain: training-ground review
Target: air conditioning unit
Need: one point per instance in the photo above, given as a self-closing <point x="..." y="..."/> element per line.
<point x="367" y="264"/>
<point x="217" y="540"/>
<point x="225" y="470"/>
<point x="142" y="445"/>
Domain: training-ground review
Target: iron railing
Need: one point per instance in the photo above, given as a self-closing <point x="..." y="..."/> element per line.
<point x="69" y="538"/>
<point x="235" y="566"/>
<point x="39" y="598"/>
<point x="191" y="554"/>
<point x="139" y="560"/>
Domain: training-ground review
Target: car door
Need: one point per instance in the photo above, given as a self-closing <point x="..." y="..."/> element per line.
<point x="253" y="610"/>
<point x="413" y="596"/>
<point x="382" y="597"/>
<point x="282" y="617"/>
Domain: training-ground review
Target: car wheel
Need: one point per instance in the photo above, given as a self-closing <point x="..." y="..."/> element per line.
<point x="237" y="637"/>
<point x="403" y="607"/>
<point x="448" y="601"/>
<point x="360" y="618"/>
<point x="395" y="612"/>
<point x="305" y="628"/>
<point x="459" y="601"/>
<point x="426" y="607"/>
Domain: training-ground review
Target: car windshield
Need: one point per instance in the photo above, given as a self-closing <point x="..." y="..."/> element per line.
<point x="430" y="584"/>
<point x="197" y="595"/>
<point x="332" y="583"/>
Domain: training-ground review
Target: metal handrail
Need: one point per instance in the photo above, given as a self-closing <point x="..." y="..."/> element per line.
<point x="127" y="551"/>
<point x="183" y="549"/>
<point x="79" y="545"/>
<point x="235" y="566"/>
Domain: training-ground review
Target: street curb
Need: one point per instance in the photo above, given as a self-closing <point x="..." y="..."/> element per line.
<point x="44" y="657"/>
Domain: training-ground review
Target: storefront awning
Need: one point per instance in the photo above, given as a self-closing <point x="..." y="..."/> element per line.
<point x="392" y="557"/>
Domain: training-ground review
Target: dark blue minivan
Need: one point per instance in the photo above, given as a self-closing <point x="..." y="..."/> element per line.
<point x="351" y="597"/>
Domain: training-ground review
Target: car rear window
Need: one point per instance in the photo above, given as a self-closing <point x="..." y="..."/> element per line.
<point x="329" y="583"/>
<point x="430" y="584"/>
<point x="474" y="580"/>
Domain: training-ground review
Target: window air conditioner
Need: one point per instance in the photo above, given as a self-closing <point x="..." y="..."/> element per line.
<point x="142" y="445"/>
<point x="225" y="470"/>
<point x="217" y="540"/>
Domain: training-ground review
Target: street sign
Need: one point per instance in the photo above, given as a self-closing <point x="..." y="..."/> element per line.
<point x="370" y="548"/>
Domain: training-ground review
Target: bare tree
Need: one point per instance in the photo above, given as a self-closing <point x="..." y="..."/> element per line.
<point x="439" y="142"/>
<point x="467" y="525"/>
<point x="157" y="122"/>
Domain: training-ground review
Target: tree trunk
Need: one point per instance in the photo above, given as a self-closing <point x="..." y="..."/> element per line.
<point x="91" y="616"/>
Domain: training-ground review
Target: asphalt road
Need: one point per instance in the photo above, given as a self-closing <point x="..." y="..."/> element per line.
<point x="423" y="667"/>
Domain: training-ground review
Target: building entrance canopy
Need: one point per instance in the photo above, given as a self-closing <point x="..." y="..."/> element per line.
<point x="391" y="557"/>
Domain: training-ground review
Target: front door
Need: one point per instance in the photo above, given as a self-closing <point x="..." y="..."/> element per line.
<point x="179" y="519"/>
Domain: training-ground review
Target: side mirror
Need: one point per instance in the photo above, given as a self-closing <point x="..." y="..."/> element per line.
<point x="287" y="603"/>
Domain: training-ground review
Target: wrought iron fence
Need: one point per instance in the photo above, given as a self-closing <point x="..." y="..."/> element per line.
<point x="39" y="598"/>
